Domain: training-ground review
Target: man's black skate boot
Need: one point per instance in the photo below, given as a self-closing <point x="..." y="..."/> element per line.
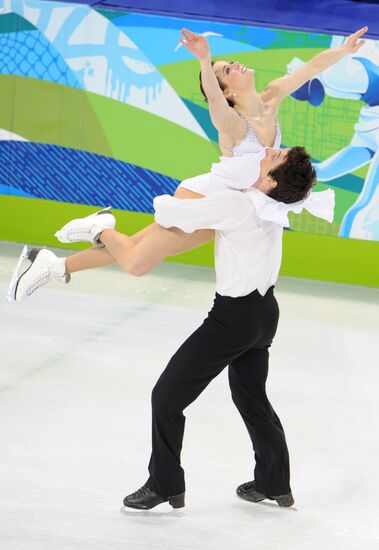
<point x="248" y="492"/>
<point x="145" y="498"/>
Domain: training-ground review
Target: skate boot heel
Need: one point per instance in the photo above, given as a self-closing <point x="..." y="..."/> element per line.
<point x="32" y="254"/>
<point x="105" y="211"/>
<point x="177" y="501"/>
<point x="248" y="492"/>
<point x="285" y="500"/>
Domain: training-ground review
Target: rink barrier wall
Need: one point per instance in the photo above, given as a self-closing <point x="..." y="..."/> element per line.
<point x="344" y="16"/>
<point x="312" y="256"/>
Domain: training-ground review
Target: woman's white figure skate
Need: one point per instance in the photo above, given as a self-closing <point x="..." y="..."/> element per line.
<point x="87" y="229"/>
<point x="45" y="267"/>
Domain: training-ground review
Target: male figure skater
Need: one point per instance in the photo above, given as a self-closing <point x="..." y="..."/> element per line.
<point x="237" y="332"/>
<point x="242" y="323"/>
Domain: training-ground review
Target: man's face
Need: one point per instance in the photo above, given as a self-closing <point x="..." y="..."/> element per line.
<point x="272" y="159"/>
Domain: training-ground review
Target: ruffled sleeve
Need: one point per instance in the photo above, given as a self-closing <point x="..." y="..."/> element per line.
<point x="238" y="172"/>
<point x="223" y="211"/>
<point x="319" y="204"/>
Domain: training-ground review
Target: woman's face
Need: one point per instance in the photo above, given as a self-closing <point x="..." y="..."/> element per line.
<point x="234" y="75"/>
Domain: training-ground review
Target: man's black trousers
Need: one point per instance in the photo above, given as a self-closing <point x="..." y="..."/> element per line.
<point x="238" y="333"/>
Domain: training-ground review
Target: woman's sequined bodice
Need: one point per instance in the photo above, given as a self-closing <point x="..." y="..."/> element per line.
<point x="251" y="143"/>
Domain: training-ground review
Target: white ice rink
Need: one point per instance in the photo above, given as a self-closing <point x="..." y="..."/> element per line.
<point x="78" y="363"/>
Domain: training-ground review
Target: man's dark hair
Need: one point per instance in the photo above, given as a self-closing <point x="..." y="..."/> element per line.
<point x="295" y="177"/>
<point x="222" y="86"/>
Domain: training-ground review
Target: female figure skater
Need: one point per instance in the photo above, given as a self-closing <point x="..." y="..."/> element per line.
<point x="246" y="122"/>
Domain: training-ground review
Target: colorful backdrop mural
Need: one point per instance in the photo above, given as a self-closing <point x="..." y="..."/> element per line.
<point x="104" y="108"/>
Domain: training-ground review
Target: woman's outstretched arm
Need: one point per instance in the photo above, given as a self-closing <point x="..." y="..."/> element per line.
<point x="282" y="87"/>
<point x="219" y="110"/>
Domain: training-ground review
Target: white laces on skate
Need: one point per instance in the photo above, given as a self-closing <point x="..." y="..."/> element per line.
<point x="44" y="278"/>
<point x="44" y="268"/>
<point x="87" y="229"/>
<point x="41" y="280"/>
<point x="78" y="235"/>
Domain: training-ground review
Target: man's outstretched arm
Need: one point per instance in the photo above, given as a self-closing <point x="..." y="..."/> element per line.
<point x="225" y="210"/>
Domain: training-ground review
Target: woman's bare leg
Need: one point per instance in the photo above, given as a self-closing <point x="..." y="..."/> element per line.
<point x="88" y="259"/>
<point x="99" y="257"/>
<point x="177" y="243"/>
<point x="138" y="259"/>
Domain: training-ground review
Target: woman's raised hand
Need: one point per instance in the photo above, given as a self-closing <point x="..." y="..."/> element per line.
<point x="195" y="43"/>
<point x="353" y="43"/>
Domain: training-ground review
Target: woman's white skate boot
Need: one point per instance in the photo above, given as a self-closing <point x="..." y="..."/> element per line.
<point x="87" y="229"/>
<point x="45" y="267"/>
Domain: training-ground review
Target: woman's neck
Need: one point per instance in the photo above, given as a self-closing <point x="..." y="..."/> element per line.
<point x="250" y="104"/>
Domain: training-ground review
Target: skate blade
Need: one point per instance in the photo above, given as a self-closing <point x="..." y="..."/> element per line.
<point x="11" y="294"/>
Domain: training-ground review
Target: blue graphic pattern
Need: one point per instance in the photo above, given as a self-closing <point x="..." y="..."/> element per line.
<point x="118" y="78"/>
<point x="164" y="31"/>
<point x="67" y="175"/>
<point x="31" y="54"/>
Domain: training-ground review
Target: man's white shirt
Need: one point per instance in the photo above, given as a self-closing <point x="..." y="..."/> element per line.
<point x="248" y="224"/>
<point x="248" y="250"/>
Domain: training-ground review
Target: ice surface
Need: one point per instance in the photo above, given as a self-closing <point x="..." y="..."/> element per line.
<point x="78" y="363"/>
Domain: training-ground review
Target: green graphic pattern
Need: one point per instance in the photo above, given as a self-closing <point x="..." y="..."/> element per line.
<point x="45" y="112"/>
